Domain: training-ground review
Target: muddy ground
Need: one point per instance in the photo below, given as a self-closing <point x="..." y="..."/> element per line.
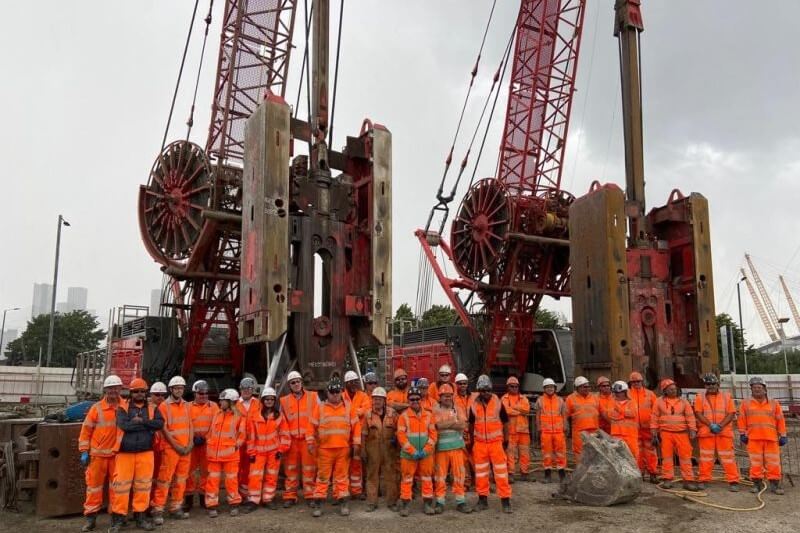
<point x="534" y="508"/>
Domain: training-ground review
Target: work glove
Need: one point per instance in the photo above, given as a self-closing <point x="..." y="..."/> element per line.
<point x="393" y="442"/>
<point x="311" y="449"/>
<point x="715" y="428"/>
<point x="199" y="440"/>
<point x="743" y="438"/>
<point x="85" y="458"/>
<point x="782" y="440"/>
<point x="418" y="455"/>
<point x="252" y="459"/>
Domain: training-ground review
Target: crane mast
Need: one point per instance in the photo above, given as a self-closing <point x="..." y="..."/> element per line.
<point x="762" y="313"/>
<point x="773" y="315"/>
<point x="789" y="298"/>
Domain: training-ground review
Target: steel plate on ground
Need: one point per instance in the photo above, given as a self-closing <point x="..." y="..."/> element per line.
<point x="62" y="486"/>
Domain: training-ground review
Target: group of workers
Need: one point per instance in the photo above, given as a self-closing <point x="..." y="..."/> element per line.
<point x="158" y="454"/>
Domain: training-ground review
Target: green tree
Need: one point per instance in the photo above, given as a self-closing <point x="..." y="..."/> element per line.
<point x="404" y="312"/>
<point x="546" y="319"/>
<point x="73" y="333"/>
<point x="757" y="362"/>
<point x="438" y="315"/>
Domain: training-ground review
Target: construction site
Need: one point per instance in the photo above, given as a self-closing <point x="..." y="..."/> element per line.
<point x="287" y="259"/>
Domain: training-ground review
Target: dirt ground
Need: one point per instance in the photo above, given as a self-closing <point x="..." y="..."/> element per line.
<point x="534" y="508"/>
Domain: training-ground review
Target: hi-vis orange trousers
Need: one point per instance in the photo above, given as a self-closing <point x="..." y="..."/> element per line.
<point x="554" y="450"/>
<point x="171" y="480"/>
<point x="263" y="478"/>
<point x="648" y="457"/>
<point x="451" y="461"/>
<point x="216" y="469"/>
<point x="99" y="470"/>
<point x="672" y="441"/>
<point x="519" y="448"/>
<point x="356" y="476"/>
<point x="298" y="459"/>
<point x="198" y="471"/>
<point x="763" y="453"/>
<point x="722" y="447"/>
<point x="332" y="462"/>
<point x="486" y="455"/>
<point x="409" y="468"/>
<point x="131" y="470"/>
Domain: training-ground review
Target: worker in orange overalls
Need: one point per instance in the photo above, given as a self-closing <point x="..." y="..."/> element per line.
<point x="444" y="378"/>
<point x="416" y="434"/>
<point x="518" y="408"/>
<point x="451" y="421"/>
<point x="643" y="401"/>
<point x="380" y="450"/>
<point x="248" y="406"/>
<point x="133" y="465"/>
<point x="361" y="405"/>
<point x="336" y="431"/>
<point x="158" y="393"/>
<point x="427" y="403"/>
<point x="175" y="459"/>
<point x="551" y="419"/>
<point x="674" y="427"/>
<point x="202" y="411"/>
<point x="583" y="414"/>
<point x="225" y="438"/>
<point x="763" y="429"/>
<point x="605" y="402"/>
<point x="267" y="441"/>
<point x="715" y="412"/>
<point x="488" y="422"/>
<point x="463" y="399"/>
<point x="297" y="407"/>
<point x="98" y="442"/>
<point x="623" y="419"/>
<point x="397" y="398"/>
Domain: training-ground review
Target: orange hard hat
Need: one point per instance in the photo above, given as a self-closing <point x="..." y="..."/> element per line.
<point x="635" y="376"/>
<point x="399" y="372"/>
<point x="446" y="388"/>
<point x="138" y="383"/>
<point x="512" y="381"/>
<point x="665" y="383"/>
<point x="602" y="379"/>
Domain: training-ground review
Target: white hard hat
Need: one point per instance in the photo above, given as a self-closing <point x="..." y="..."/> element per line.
<point x="268" y="391"/>
<point x="445" y="369"/>
<point x="112" y="381"/>
<point x="548" y="382"/>
<point x="484" y="383"/>
<point x="350" y="376"/>
<point x="580" y="380"/>
<point x="200" y="385"/>
<point x="461" y="377"/>
<point x="379" y="391"/>
<point x="294" y="374"/>
<point x="158" y="387"/>
<point x="619" y="386"/>
<point x="247" y="383"/>
<point x="176" y="381"/>
<point x="229" y="394"/>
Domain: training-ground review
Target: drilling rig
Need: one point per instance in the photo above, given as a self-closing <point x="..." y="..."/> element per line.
<point x="236" y="225"/>
<point x="643" y="300"/>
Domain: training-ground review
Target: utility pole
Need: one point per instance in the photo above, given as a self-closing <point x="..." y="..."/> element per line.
<point x="741" y="329"/>
<point x="61" y="222"/>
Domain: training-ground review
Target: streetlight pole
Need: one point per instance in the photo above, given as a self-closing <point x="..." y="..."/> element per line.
<point x="741" y="329"/>
<point x="781" y="322"/>
<point x="3" y="328"/>
<point x="61" y="222"/>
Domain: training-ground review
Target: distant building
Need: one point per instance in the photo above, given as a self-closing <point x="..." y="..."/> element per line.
<point x="76" y="298"/>
<point x="42" y="296"/>
<point x="63" y="308"/>
<point x="155" y="301"/>
<point x="8" y="336"/>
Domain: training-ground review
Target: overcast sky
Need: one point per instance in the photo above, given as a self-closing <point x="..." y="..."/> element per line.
<point x="87" y="86"/>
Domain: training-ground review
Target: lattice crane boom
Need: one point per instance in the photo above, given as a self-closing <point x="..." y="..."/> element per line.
<point x="792" y="305"/>
<point x="773" y="316"/>
<point x="760" y="308"/>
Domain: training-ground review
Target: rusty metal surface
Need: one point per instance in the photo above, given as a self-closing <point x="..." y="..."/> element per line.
<point x="263" y="306"/>
<point x="599" y="286"/>
<point x="61" y="486"/>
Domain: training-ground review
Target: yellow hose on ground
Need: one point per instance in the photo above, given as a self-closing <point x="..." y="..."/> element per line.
<point x="695" y="497"/>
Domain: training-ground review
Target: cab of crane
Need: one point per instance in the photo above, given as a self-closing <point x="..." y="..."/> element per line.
<point x="550" y="356"/>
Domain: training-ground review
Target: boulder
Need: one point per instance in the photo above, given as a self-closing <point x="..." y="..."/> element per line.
<point x="607" y="473"/>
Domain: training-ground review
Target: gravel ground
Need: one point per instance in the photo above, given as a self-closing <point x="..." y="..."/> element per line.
<point x="534" y="508"/>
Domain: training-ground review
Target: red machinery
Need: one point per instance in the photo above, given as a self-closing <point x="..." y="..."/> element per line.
<point x="646" y="304"/>
<point x="240" y="253"/>
<point x="509" y="239"/>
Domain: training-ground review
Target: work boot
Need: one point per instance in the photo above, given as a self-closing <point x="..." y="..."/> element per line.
<point x="562" y="475"/>
<point x="404" y="508"/>
<point x="393" y="507"/>
<point x="666" y="484"/>
<point x="527" y="477"/>
<point x="212" y="513"/>
<point x="653" y="479"/>
<point x="371" y="507"/>
<point x="775" y="488"/>
<point x="272" y="505"/>
<point x="234" y="511"/>
<point x="201" y="500"/>
<point x="158" y="518"/>
<point x="289" y="503"/>
<point x="757" y="486"/>
<point x="362" y="496"/>
<point x="180" y="514"/>
<point x="116" y="523"/>
<point x="317" y="506"/>
<point x="344" y="510"/>
<point x="733" y="487"/>
<point x="248" y="507"/>
<point x="429" y="506"/>
<point x="506" y="502"/>
<point x="438" y="508"/>
<point x="463" y="508"/>
<point x="690" y="486"/>
<point x="188" y="502"/>
<point x="142" y="522"/>
<point x="547" y="476"/>
<point x="483" y="504"/>
<point x="91" y="523"/>
<point x="701" y="486"/>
